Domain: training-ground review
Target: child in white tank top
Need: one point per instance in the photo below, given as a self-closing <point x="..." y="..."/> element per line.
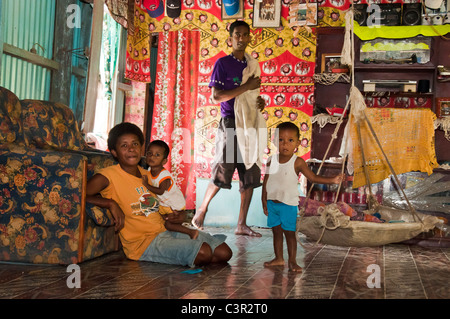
<point x="280" y="195"/>
<point x="163" y="186"/>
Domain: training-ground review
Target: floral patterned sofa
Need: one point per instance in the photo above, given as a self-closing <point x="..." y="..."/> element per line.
<point x="44" y="166"/>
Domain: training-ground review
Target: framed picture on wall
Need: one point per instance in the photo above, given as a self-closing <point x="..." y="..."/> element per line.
<point x="443" y="106"/>
<point x="302" y="14"/>
<point x="331" y="63"/>
<point x="266" y="13"/>
<point x="232" y="9"/>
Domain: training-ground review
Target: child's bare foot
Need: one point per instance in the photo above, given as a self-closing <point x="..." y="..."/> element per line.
<point x="274" y="263"/>
<point x="294" y="267"/>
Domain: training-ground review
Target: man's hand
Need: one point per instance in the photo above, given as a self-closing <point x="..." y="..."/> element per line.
<point x="260" y="103"/>
<point x="253" y="82"/>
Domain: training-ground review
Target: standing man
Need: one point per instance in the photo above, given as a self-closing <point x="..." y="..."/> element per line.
<point x="226" y="84"/>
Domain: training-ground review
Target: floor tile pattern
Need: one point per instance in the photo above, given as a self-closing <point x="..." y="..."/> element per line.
<point x="329" y="272"/>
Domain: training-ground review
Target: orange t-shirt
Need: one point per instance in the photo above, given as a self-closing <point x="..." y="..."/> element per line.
<point x="142" y="223"/>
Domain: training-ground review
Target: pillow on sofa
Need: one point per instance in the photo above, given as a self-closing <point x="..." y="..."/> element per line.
<point x="51" y="124"/>
<point x="10" y="121"/>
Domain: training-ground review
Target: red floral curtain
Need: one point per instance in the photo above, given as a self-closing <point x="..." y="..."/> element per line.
<point x="176" y="89"/>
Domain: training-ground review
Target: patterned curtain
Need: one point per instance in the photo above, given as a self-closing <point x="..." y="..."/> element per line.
<point x="176" y="89"/>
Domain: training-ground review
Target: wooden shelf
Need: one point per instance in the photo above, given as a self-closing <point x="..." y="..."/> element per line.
<point x="325" y="165"/>
<point x="383" y="67"/>
<point x="394" y="93"/>
<point x="330" y="40"/>
<point x="330" y="30"/>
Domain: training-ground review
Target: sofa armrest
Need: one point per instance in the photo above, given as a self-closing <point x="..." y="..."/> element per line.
<point x="22" y="167"/>
<point x="96" y="160"/>
<point x="41" y="204"/>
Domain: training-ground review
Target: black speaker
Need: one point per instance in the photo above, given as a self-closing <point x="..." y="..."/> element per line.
<point x="423" y="86"/>
<point x="412" y="14"/>
<point x="391" y="14"/>
<point x="360" y="14"/>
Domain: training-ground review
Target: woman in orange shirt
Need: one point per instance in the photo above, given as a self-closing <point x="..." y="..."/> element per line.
<point x="141" y="227"/>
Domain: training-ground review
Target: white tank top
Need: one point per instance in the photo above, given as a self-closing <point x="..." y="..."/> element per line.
<point x="282" y="184"/>
<point x="173" y="197"/>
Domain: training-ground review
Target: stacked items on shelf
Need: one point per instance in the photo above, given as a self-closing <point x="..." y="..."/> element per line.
<point x="443" y="73"/>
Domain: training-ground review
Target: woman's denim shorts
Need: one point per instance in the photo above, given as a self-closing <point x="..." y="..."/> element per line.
<point x="177" y="248"/>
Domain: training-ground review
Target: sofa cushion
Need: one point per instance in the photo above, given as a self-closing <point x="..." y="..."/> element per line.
<point x="50" y="124"/>
<point x="10" y="120"/>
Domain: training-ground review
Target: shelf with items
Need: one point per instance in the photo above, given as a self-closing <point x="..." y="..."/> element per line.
<point x="331" y="88"/>
<point x="384" y="67"/>
<point x="386" y="84"/>
<point x="391" y="93"/>
<point x="374" y="54"/>
<point x="395" y="81"/>
<point x="331" y="92"/>
<point x="443" y="73"/>
<point x="399" y="100"/>
<point x="339" y="93"/>
<point x="355" y="197"/>
<point x="429" y="70"/>
<point x="416" y="53"/>
<point x="442" y="88"/>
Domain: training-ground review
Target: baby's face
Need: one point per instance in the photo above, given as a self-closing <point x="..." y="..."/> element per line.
<point x="155" y="156"/>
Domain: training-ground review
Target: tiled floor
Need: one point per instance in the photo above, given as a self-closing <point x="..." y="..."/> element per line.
<point x="329" y="272"/>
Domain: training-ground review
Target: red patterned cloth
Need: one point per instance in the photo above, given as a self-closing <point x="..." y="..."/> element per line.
<point x="138" y="47"/>
<point x="175" y="105"/>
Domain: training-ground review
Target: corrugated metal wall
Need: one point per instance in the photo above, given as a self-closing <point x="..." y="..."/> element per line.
<point x="26" y="22"/>
<point x="80" y="41"/>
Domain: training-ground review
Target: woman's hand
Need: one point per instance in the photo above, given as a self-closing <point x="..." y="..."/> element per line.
<point x="118" y="215"/>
